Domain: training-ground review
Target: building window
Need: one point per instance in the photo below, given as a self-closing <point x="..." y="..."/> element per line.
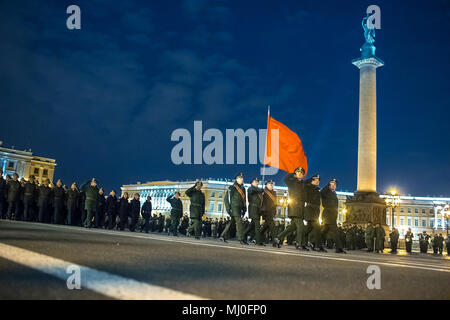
<point x="409" y="210"/>
<point x="416" y="222"/>
<point x="416" y="210"/>
<point x="219" y="206"/>
<point x="36" y="171"/>
<point x="431" y="211"/>
<point x="213" y="194"/>
<point x="279" y="211"/>
<point x="424" y="222"/>
<point x="387" y="220"/>
<point x="402" y="209"/>
<point x="402" y="221"/>
<point x="409" y="221"/>
<point x="220" y="195"/>
<point x="11" y="165"/>
<point x="211" y="205"/>
<point x="45" y="172"/>
<point x="431" y="223"/>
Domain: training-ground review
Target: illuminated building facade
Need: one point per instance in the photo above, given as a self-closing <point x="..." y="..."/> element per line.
<point x="418" y="213"/>
<point x="24" y="163"/>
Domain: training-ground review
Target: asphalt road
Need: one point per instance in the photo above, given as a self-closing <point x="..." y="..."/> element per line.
<point x="125" y="265"/>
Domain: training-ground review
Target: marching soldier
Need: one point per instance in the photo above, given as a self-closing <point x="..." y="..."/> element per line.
<point x="197" y="208"/>
<point x="379" y="242"/>
<point x="91" y="201"/>
<point x="146" y="213"/>
<point x="394" y="235"/>
<point x="369" y="235"/>
<point x="59" y="196"/>
<point x="29" y="194"/>
<point x="269" y="209"/>
<point x="235" y="204"/>
<point x="296" y="187"/>
<point x="330" y="204"/>
<point x="408" y="240"/>
<point x="312" y="212"/>
<point x="176" y="213"/>
<point x="72" y="203"/>
<point x="255" y="196"/>
<point x="135" y="211"/>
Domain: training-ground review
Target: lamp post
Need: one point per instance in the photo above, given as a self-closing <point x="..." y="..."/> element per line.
<point x="285" y="202"/>
<point x="393" y="201"/>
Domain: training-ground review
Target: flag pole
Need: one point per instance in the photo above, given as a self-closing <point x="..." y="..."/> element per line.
<point x="265" y="146"/>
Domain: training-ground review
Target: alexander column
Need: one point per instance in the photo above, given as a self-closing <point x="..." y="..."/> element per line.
<point x="366" y="205"/>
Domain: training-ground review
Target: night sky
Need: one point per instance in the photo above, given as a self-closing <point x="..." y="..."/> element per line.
<point x="104" y="100"/>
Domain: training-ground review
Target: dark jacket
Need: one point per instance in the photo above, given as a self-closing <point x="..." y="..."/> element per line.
<point x="59" y="195"/>
<point x="197" y="207"/>
<point x="101" y="205"/>
<point x="146" y="210"/>
<point x="2" y="188"/>
<point x="13" y="188"/>
<point x="91" y="200"/>
<point x="135" y="209"/>
<point x="72" y="199"/>
<point x="124" y="208"/>
<point x="330" y="205"/>
<point x="29" y="191"/>
<point x="177" y="206"/>
<point x="235" y="200"/>
<point x="269" y="207"/>
<point x="255" y="196"/>
<point x="297" y="196"/>
<point x="111" y="205"/>
<point x="44" y="195"/>
<point x="312" y="210"/>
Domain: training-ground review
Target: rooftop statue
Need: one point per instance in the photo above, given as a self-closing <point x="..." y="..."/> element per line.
<point x="369" y="34"/>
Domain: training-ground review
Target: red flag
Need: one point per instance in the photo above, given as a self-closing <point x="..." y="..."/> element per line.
<point x="290" y="152"/>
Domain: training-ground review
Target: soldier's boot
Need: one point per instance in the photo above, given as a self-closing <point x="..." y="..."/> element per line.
<point x="223" y="240"/>
<point x="243" y="242"/>
<point x="276" y="242"/>
<point x="340" y="251"/>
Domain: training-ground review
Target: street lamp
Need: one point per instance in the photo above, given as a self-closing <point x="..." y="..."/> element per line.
<point x="285" y="202"/>
<point x="393" y="201"/>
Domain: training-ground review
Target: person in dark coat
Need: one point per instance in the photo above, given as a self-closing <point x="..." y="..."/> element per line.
<point x="161" y="220"/>
<point x="44" y="195"/>
<point x="135" y="211"/>
<point x="29" y="197"/>
<point x="235" y="204"/>
<point x="99" y="220"/>
<point x="72" y="203"/>
<point x="255" y="197"/>
<point x="296" y="187"/>
<point x="393" y="236"/>
<point x="20" y="214"/>
<point x="269" y="209"/>
<point x="124" y="209"/>
<point x="91" y="202"/>
<point x="408" y="240"/>
<point x="176" y="212"/>
<point x="196" y="208"/>
<point x="2" y="194"/>
<point x="379" y="242"/>
<point x="146" y="212"/>
<point x="12" y="191"/>
<point x="312" y="213"/>
<point x="330" y="203"/>
<point x="111" y="210"/>
<point x="59" y="196"/>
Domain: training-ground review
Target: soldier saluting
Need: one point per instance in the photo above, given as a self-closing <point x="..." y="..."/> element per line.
<point x="269" y="209"/>
<point x="330" y="205"/>
<point x="176" y="212"/>
<point x="255" y="196"/>
<point x="296" y="188"/>
<point x="235" y="203"/>
<point x="197" y="207"/>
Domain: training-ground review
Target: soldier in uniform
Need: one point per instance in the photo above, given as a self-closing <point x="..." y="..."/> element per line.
<point x="424" y="239"/>
<point x="124" y="209"/>
<point x="312" y="212"/>
<point x="196" y="208"/>
<point x="369" y="235"/>
<point x="59" y="196"/>
<point x="44" y="201"/>
<point x="146" y="212"/>
<point x="269" y="209"/>
<point x="29" y="195"/>
<point x="394" y="235"/>
<point x="135" y="211"/>
<point x="408" y="240"/>
<point x="91" y="201"/>
<point x="161" y="220"/>
<point x="235" y="204"/>
<point x="111" y="209"/>
<point x="100" y="212"/>
<point x="441" y="243"/>
<point x="379" y="234"/>
<point x="72" y="203"/>
<point x="13" y="190"/>
<point x="330" y="205"/>
<point x="176" y="213"/>
<point x="255" y="196"/>
<point x="296" y="187"/>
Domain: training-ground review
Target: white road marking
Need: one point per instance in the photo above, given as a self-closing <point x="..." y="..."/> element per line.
<point x="105" y="283"/>
<point x="403" y="264"/>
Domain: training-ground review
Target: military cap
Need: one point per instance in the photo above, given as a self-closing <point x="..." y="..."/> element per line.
<point x="316" y="176"/>
<point x="269" y="182"/>
<point x="301" y="169"/>
<point x="239" y="175"/>
<point x="333" y="180"/>
<point x="199" y="182"/>
<point x="255" y="179"/>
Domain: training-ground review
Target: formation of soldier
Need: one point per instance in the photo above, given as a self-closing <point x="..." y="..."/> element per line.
<point x="88" y="206"/>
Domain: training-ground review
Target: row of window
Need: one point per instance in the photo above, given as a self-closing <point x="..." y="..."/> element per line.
<point x="423" y="222"/>
<point x="416" y="210"/>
